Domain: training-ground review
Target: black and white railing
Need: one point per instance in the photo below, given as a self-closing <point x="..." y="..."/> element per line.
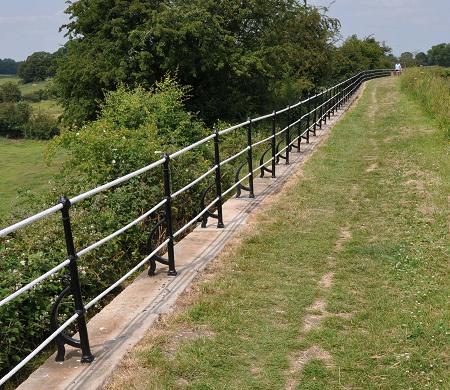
<point x="303" y="118"/>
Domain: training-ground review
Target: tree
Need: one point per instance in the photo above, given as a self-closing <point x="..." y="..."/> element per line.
<point x="421" y="59"/>
<point x="10" y="92"/>
<point x="232" y="53"/>
<point x="439" y="55"/>
<point x="8" y="66"/>
<point x="357" y="54"/>
<point x="36" y="67"/>
<point x="407" y="59"/>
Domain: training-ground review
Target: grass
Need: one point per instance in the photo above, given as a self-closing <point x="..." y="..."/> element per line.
<point x="24" y="88"/>
<point x="51" y="106"/>
<point x="431" y="88"/>
<point x="370" y="212"/>
<point x="23" y="168"/>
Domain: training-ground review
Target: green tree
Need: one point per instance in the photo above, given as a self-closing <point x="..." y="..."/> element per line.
<point x="407" y="59"/>
<point x="14" y="118"/>
<point x="10" y="92"/>
<point x="8" y="66"/>
<point x="36" y="67"/>
<point x="421" y="59"/>
<point x="232" y="53"/>
<point x="357" y="54"/>
<point x="439" y="55"/>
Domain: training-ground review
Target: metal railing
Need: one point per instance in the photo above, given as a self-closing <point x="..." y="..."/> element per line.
<point x="303" y="119"/>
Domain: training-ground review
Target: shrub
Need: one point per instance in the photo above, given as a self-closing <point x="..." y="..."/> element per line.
<point x="10" y="92"/>
<point x="41" y="125"/>
<point x="14" y="118"/>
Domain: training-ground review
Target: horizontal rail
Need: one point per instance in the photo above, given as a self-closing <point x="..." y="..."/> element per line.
<point x="39" y="348"/>
<point x="122" y="230"/>
<point x="262" y="141"/>
<point x="194" y="182"/>
<point x="260" y="118"/>
<point x="192" y="146"/>
<point x="195" y="219"/>
<point x="33" y="218"/>
<point x="236" y="184"/>
<point x="225" y="131"/>
<point x="33" y="283"/>
<point x="126" y="276"/>
<point x="229" y="159"/>
<point x="263" y="164"/>
<point x="113" y="183"/>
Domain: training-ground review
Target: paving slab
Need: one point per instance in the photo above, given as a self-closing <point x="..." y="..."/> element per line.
<point x="124" y="321"/>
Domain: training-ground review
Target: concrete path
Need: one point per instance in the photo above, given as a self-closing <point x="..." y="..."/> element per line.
<point x="123" y="322"/>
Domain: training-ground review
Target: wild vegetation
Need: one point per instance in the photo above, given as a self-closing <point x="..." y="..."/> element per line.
<point x="431" y="88"/>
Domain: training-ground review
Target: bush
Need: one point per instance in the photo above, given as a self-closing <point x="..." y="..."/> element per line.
<point x="41" y="125"/>
<point x="14" y="118"/>
<point x="431" y="88"/>
<point x="10" y="92"/>
<point x="134" y="126"/>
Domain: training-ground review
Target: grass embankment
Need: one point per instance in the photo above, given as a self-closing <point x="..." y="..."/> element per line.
<point x="344" y="283"/>
<point x="431" y="88"/>
<point x="22" y="167"/>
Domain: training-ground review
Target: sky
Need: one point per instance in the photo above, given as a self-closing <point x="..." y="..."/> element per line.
<point x="405" y="25"/>
<point x="27" y="26"/>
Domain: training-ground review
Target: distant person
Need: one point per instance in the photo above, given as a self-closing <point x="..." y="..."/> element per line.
<point x="398" y="69"/>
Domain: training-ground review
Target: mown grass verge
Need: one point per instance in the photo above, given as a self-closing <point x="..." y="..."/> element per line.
<point x="343" y="282"/>
<point x="23" y="168"/>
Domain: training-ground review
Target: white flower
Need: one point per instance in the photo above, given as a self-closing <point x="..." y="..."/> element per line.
<point x="113" y="161"/>
<point x="22" y="262"/>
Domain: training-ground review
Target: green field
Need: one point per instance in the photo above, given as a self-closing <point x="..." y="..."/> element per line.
<point x="50" y="106"/>
<point x="341" y="284"/>
<point x="22" y="167"/>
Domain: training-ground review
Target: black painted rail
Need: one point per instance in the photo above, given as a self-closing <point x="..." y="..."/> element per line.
<point x="302" y="119"/>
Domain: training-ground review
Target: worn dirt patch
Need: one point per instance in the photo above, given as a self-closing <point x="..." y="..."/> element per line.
<point x="344" y="235"/>
<point x="372" y="167"/>
<point x="327" y="280"/>
<point x="185" y="335"/>
<point x="298" y="363"/>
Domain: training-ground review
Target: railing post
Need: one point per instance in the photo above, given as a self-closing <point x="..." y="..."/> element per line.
<point x="75" y="287"/>
<point x="330" y="103"/>
<point x="299" y="127"/>
<point x="315" y="115"/>
<point x="308" y="119"/>
<point x="250" y="158"/>
<point x="274" y="143"/>
<point x="323" y="96"/>
<point x="288" y="135"/>
<point x="168" y="215"/>
<point x="218" y="180"/>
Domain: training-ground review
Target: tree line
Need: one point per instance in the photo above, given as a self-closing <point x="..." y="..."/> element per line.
<point x="438" y="55"/>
